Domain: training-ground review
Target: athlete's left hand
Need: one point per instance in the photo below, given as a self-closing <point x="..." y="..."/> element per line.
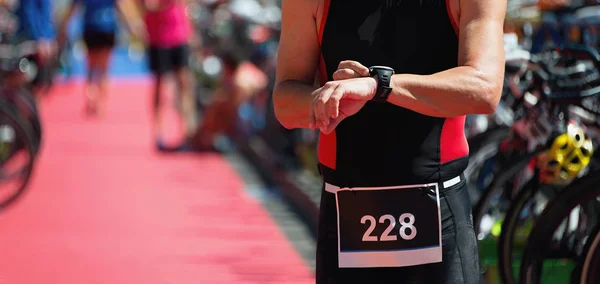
<point x="337" y="100"/>
<point x="349" y="69"/>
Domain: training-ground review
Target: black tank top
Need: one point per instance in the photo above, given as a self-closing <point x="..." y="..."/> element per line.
<point x="383" y="144"/>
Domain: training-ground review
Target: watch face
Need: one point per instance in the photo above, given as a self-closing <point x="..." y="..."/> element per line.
<point x="380" y="68"/>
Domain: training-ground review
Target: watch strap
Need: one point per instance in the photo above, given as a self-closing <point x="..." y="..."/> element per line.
<point x="384" y="77"/>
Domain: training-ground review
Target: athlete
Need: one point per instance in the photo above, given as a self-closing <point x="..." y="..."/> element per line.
<point x="35" y="24"/>
<point x="240" y="80"/>
<point x="100" y="27"/>
<point x="396" y="81"/>
<point x="169" y="34"/>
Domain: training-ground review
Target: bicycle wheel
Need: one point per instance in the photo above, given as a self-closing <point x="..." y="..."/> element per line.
<point x="27" y="107"/>
<point x="588" y="268"/>
<point x="17" y="156"/>
<point x="494" y="191"/>
<point x="510" y="233"/>
<point x="482" y="148"/>
<point x="539" y="243"/>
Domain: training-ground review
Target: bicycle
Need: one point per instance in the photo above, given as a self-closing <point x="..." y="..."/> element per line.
<point x="18" y="71"/>
<point x="541" y="242"/>
<point x="19" y="142"/>
<point x="514" y="183"/>
<point x="532" y="195"/>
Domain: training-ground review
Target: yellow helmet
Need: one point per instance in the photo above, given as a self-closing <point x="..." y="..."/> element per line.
<point x="568" y="154"/>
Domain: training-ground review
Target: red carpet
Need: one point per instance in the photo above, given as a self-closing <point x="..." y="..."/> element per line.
<point x="103" y="207"/>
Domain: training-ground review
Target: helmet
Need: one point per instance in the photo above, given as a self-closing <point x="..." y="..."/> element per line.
<point x="569" y="153"/>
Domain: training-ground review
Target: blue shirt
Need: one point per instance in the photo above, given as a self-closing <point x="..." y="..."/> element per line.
<point x="100" y="15"/>
<point x="35" y="19"/>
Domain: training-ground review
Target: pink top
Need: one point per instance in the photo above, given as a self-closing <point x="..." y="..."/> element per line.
<point x="168" y="26"/>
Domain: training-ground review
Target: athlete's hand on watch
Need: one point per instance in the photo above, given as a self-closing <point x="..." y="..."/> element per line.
<point x="328" y="118"/>
<point x="349" y="69"/>
<point x="337" y="100"/>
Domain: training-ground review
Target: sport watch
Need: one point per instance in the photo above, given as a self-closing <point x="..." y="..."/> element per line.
<point x="384" y="76"/>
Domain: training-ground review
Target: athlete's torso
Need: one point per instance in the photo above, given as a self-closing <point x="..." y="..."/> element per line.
<point x="169" y="26"/>
<point x="384" y="144"/>
<point x="35" y="19"/>
<point x="100" y="15"/>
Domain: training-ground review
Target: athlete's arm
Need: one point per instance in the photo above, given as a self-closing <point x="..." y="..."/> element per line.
<point x="473" y="87"/>
<point x="297" y="62"/>
<point x="62" y="28"/>
<point x="132" y="16"/>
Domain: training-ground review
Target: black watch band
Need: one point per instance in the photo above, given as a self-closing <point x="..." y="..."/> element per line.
<point x="384" y="76"/>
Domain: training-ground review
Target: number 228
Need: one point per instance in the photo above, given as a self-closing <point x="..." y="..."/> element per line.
<point x="385" y="236"/>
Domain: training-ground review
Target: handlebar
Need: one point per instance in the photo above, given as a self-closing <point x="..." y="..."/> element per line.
<point x="567" y="89"/>
<point x="11" y="54"/>
<point x="563" y="78"/>
<point x="16" y="51"/>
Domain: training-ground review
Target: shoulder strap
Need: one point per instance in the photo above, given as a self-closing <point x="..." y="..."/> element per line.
<point x="322" y="71"/>
<point x="326" y="4"/>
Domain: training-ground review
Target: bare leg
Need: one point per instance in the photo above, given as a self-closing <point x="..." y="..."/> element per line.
<point x="102" y="78"/>
<point x="91" y="90"/>
<point x="185" y="84"/>
<point x="157" y="118"/>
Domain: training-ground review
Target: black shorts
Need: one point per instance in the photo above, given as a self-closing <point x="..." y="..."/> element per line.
<point x="459" y="247"/>
<point x="163" y="60"/>
<point x="98" y="40"/>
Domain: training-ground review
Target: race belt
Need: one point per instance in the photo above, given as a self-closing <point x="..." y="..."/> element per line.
<point x="392" y="226"/>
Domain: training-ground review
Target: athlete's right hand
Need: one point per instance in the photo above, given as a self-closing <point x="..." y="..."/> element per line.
<point x="337" y="100"/>
<point x="327" y="116"/>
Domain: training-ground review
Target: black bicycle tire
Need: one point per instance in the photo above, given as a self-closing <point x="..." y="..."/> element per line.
<point x="585" y="189"/>
<point x="27" y="95"/>
<point x="25" y="106"/>
<point x="591" y="272"/>
<point x="22" y="130"/>
<point x="513" y="168"/>
<point x="33" y="116"/>
<point x="19" y="113"/>
<point x="509" y="228"/>
<point x="482" y="147"/>
<point x="485" y="140"/>
<point x="589" y="261"/>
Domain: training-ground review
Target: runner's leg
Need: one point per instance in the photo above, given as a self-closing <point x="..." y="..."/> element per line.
<point x="461" y="256"/>
<point x="158" y="66"/>
<point x="101" y="77"/>
<point x="91" y="91"/>
<point x="93" y="43"/>
<point x="185" y="89"/>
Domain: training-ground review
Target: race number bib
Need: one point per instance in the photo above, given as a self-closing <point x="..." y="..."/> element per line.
<point x="389" y="227"/>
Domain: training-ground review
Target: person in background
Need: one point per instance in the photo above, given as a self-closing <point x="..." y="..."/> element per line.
<point x="241" y="79"/>
<point x="169" y="33"/>
<point x="557" y="27"/>
<point x="35" y="23"/>
<point x="100" y="26"/>
<point x="10" y="4"/>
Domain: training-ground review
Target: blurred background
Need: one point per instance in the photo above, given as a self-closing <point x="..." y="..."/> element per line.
<point x="138" y="142"/>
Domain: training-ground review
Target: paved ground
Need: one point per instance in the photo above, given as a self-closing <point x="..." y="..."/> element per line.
<point x="103" y="207"/>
